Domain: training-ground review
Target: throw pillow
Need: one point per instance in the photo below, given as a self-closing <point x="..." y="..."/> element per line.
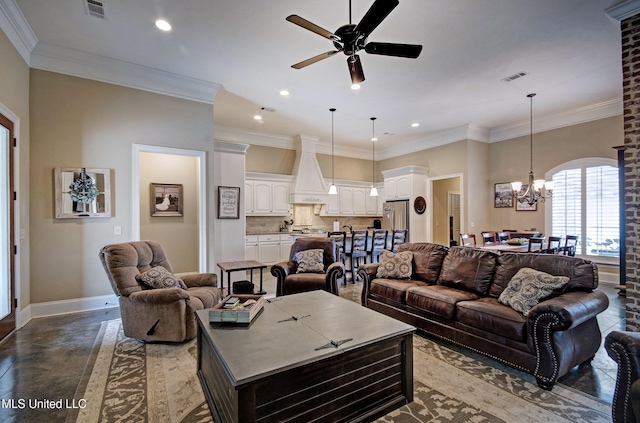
<point x="395" y="266"/>
<point x="158" y="277"/>
<point x="310" y="261"/>
<point x="528" y="287"/>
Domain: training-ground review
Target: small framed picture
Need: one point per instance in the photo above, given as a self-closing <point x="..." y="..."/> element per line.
<point x="524" y="206"/>
<point x="503" y="195"/>
<point x="166" y="200"/>
<point x="228" y="202"/>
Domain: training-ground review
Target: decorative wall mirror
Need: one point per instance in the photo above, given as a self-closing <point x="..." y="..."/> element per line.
<point x="82" y="192"/>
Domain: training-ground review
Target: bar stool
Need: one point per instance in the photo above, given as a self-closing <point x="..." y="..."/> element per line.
<point x="378" y="243"/>
<point x="340" y="239"/>
<point x="399" y="237"/>
<point x="358" y="250"/>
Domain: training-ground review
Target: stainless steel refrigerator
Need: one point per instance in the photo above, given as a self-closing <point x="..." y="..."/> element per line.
<point x="396" y="216"/>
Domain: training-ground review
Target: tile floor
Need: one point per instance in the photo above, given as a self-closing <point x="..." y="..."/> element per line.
<point x="45" y="359"/>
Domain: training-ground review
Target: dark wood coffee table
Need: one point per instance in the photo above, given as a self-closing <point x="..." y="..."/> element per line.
<point x="305" y="357"/>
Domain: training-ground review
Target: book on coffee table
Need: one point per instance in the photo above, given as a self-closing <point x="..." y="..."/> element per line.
<point x="244" y="311"/>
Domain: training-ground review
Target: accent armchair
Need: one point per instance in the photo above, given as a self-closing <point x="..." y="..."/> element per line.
<point x="290" y="281"/>
<point x="624" y="349"/>
<point x="160" y="314"/>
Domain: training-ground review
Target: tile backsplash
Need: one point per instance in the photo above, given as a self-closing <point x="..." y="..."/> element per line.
<point x="304" y="216"/>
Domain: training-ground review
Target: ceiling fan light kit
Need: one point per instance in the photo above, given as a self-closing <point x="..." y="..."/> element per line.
<point x="350" y="39"/>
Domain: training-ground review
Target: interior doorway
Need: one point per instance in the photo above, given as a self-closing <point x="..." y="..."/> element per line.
<point x="453" y="206"/>
<point x="7" y="233"/>
<point x="184" y="238"/>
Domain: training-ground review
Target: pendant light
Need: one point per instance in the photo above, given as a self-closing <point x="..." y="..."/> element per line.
<point x="533" y="193"/>
<point x="332" y="188"/>
<point x="374" y="190"/>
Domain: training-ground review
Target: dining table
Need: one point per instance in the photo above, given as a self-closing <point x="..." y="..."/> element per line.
<point x="506" y="247"/>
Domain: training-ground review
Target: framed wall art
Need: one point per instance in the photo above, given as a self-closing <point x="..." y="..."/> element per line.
<point x="502" y="195"/>
<point x="166" y="199"/>
<point x="228" y="202"/>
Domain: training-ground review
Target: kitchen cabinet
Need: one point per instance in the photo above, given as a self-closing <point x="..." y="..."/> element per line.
<point x="268" y="248"/>
<point x="360" y="201"/>
<point x="267" y="198"/>
<point x="372" y="207"/>
<point x="346" y="200"/>
<point x="251" y="247"/>
<point x="398" y="187"/>
<point x="333" y="206"/>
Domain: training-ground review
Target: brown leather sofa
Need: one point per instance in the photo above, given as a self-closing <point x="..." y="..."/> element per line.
<point x="624" y="349"/>
<point x="290" y="282"/>
<point x="453" y="295"/>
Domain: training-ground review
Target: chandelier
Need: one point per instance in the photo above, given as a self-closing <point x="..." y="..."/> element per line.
<point x="374" y="190"/>
<point x="534" y="189"/>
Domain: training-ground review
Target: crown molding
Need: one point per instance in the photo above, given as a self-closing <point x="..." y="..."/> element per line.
<point x="624" y="10"/>
<point x="230" y="147"/>
<point x="17" y="29"/>
<point x="99" y="68"/>
<point x="573" y="117"/>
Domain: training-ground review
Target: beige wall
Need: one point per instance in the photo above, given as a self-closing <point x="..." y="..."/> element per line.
<point x="78" y="122"/>
<point x="177" y="234"/>
<point x="270" y="160"/>
<point x="14" y="97"/>
<point x="347" y="168"/>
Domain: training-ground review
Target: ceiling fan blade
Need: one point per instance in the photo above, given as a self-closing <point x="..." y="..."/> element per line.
<point x="379" y="10"/>
<point x="314" y="59"/>
<point x="312" y="27"/>
<point x="411" y="51"/>
<point x="355" y="69"/>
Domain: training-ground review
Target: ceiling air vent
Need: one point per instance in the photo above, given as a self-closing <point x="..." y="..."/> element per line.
<point x="514" y="76"/>
<point x="95" y="8"/>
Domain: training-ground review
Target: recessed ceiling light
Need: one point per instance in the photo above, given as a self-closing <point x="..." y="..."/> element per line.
<point x="355" y="87"/>
<point x="284" y="93"/>
<point x="257" y="117"/>
<point x="415" y="125"/>
<point x="163" y="25"/>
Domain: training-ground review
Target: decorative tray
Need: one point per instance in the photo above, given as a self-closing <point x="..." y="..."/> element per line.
<point x="239" y="314"/>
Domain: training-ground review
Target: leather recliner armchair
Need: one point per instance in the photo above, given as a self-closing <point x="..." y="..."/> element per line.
<point x="624" y="349"/>
<point x="166" y="314"/>
<point x="290" y="282"/>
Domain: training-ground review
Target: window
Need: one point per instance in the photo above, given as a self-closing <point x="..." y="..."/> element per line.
<point x="585" y="203"/>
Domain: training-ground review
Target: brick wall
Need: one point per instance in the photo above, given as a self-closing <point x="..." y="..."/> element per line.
<point x="630" y="29"/>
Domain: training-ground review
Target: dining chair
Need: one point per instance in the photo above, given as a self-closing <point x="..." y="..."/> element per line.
<point x="378" y="243"/>
<point x="488" y="238"/>
<point x="553" y="245"/>
<point x="340" y="239"/>
<point x="399" y="237"/>
<point x="357" y="251"/>
<point x="535" y="244"/>
<point x="570" y="245"/>
<point x="503" y="237"/>
<point x="468" y="240"/>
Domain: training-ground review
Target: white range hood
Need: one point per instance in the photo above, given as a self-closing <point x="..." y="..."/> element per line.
<point x="309" y="186"/>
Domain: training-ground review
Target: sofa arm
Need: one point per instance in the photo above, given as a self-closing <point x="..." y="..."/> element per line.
<point x="550" y="320"/>
<point x="568" y="310"/>
<point x="193" y="280"/>
<point x="335" y="273"/>
<point x="159" y="296"/>
<point x="367" y="272"/>
<point x="280" y="271"/>
<point x="624" y="349"/>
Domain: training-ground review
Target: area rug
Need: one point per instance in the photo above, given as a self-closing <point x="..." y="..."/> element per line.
<point x="129" y="381"/>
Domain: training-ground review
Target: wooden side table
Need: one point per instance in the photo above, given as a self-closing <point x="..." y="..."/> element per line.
<point x="236" y="266"/>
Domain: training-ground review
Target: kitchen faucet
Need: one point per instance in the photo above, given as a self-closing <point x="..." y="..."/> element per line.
<point x="348" y="226"/>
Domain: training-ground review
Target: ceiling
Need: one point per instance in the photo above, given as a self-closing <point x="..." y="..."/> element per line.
<point x="238" y="55"/>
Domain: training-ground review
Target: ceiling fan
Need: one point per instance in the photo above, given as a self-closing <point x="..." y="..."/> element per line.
<point x="351" y="38"/>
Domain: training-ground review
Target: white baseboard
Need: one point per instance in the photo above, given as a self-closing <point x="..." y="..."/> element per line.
<point x="53" y="308"/>
<point x="609" y="278"/>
